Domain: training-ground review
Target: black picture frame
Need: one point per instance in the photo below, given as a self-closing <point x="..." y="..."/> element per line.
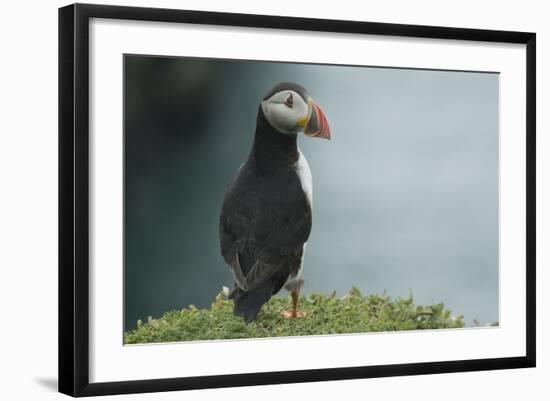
<point x="74" y="198"/>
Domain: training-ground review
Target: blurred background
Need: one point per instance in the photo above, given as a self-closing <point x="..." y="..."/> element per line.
<point x="405" y="193"/>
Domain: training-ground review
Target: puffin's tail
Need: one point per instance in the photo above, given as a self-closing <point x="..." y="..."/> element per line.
<point x="249" y="303"/>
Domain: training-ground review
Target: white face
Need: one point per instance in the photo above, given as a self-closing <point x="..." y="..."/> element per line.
<point x="286" y="111"/>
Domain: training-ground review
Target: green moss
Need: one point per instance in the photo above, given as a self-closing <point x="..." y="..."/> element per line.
<point x="353" y="313"/>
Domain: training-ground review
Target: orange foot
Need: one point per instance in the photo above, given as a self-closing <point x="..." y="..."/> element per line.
<point x="291" y="314"/>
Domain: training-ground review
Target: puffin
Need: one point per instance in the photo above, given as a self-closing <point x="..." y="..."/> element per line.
<point x="266" y="215"/>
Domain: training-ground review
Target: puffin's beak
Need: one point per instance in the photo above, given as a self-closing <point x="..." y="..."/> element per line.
<point x="316" y="124"/>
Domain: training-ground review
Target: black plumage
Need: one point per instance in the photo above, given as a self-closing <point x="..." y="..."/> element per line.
<point x="265" y="218"/>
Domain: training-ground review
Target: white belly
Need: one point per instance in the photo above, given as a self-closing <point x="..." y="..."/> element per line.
<point x="304" y="174"/>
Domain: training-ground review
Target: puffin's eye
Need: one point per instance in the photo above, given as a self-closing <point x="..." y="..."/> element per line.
<point x="289" y="102"/>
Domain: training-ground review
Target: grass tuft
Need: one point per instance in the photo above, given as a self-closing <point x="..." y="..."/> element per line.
<point x="324" y="314"/>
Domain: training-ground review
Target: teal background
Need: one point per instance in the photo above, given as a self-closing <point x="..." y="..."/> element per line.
<point x="405" y="193"/>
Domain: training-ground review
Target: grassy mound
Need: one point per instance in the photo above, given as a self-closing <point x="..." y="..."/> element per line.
<point x="353" y="313"/>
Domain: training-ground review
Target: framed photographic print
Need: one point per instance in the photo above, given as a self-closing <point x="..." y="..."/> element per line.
<point x="250" y="199"/>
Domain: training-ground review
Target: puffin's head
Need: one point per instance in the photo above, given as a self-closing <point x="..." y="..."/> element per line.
<point x="289" y="109"/>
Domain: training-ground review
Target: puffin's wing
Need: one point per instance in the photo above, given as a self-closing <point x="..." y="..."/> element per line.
<point x="231" y="223"/>
<point x="259" y="235"/>
<point x="259" y="273"/>
<point x="238" y="275"/>
<point x="293" y="228"/>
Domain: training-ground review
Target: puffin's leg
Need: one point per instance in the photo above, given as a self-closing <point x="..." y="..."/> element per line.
<point x="294" y="311"/>
<point x="295" y="297"/>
